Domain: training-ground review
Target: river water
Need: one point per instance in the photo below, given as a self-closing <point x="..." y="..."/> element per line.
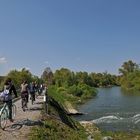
<point x="113" y="109"/>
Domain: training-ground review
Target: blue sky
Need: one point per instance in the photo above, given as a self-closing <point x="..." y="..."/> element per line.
<point x="81" y="35"/>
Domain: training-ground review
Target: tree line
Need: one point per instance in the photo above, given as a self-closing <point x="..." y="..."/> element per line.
<point x="81" y="83"/>
<point x="65" y="77"/>
<point x="128" y="78"/>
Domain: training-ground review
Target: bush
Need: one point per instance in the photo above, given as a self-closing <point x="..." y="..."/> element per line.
<point x="75" y="90"/>
<point x="61" y="90"/>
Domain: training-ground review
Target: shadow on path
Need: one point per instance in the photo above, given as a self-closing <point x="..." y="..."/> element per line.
<point x="38" y="103"/>
<point x="35" y="109"/>
<point x="18" y="125"/>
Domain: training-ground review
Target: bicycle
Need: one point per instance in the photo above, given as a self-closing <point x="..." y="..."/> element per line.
<point x="4" y="114"/>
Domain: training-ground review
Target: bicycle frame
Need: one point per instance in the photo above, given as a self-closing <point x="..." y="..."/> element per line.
<point x="4" y="114"/>
<point x="5" y="106"/>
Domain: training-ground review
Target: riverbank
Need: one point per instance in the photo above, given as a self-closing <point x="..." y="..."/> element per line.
<point x="96" y="134"/>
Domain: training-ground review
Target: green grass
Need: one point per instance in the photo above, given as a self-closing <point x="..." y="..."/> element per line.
<point x="62" y="97"/>
<point x="54" y="129"/>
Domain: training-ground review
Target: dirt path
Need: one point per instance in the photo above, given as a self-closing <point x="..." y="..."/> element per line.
<point x="24" y="121"/>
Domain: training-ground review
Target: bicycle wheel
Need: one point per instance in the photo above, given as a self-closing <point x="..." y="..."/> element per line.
<point x="3" y="118"/>
<point x="14" y="110"/>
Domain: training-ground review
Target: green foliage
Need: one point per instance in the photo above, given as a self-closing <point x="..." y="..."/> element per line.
<point x="56" y="130"/>
<point x="82" y="90"/>
<point x="53" y="92"/>
<point x="47" y="75"/>
<point x="130" y="79"/>
<point x="63" y="77"/>
<point x="103" y="79"/>
<point x="128" y="67"/>
<point x="61" y="90"/>
<point x="66" y="78"/>
<point x="58" y="125"/>
<point x="75" y="94"/>
<point x="61" y="95"/>
<point x="75" y="90"/>
<point x="82" y="77"/>
<point x="88" y="91"/>
<point x="18" y="77"/>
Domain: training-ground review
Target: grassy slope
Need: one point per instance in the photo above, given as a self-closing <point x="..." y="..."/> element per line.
<point x="58" y="125"/>
<point x="54" y="129"/>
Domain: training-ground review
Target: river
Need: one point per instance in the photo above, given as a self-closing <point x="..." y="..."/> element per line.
<point x="113" y="110"/>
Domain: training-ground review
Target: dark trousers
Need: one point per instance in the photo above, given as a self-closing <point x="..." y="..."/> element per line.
<point x="9" y="104"/>
<point x="25" y="95"/>
<point x="32" y="95"/>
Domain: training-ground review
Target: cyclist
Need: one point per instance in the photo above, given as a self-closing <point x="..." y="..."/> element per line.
<point x="24" y="93"/>
<point x="9" y="88"/>
<point x="32" y="91"/>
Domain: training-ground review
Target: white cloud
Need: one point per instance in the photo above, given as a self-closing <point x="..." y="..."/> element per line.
<point x="3" y="60"/>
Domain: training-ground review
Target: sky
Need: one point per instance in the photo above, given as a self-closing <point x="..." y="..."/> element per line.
<point x="81" y="35"/>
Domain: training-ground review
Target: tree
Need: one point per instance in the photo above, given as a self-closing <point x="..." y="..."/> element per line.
<point x="47" y="75"/>
<point x="128" y="67"/>
<point x="18" y="76"/>
<point x="130" y="76"/>
<point x="82" y="77"/>
<point x="64" y="77"/>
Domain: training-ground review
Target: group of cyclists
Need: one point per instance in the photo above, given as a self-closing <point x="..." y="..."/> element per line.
<point x="27" y="89"/>
<point x="31" y="89"/>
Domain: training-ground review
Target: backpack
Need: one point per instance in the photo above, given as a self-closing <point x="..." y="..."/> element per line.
<point x="5" y="96"/>
<point x="32" y="88"/>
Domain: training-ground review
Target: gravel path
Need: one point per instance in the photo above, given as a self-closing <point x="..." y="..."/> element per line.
<point x="23" y="122"/>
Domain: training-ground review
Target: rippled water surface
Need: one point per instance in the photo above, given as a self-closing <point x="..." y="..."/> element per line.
<point x="113" y="109"/>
